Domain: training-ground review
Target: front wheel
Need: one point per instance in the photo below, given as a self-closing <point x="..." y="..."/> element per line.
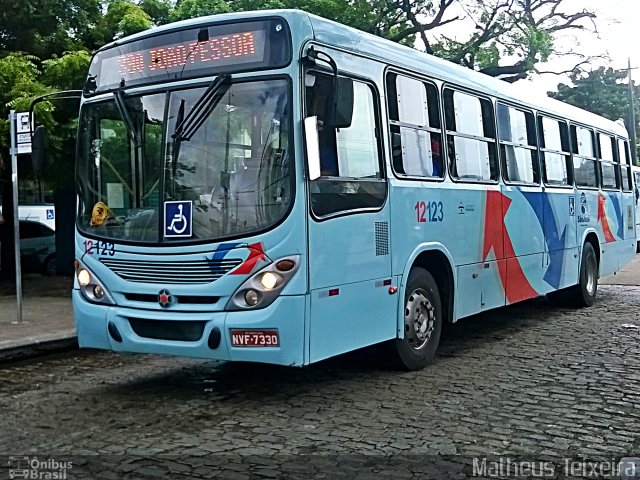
<point x="422" y="321"/>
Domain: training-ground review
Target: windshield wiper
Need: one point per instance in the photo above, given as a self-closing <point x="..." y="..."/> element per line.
<point x="126" y="117"/>
<point x="187" y="126"/>
<point x="201" y="110"/>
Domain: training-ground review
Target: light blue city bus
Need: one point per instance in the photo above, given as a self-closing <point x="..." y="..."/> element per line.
<point x="276" y="187"/>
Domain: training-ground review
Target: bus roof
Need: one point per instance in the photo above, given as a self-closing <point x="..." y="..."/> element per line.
<point x="351" y="39"/>
<point x="330" y="32"/>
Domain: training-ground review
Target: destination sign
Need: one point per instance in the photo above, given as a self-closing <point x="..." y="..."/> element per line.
<point x="191" y="53"/>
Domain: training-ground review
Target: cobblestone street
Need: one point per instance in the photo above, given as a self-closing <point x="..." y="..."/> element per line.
<point x="534" y="380"/>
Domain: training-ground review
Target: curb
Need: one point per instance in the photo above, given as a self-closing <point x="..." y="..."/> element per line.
<point x="37" y="349"/>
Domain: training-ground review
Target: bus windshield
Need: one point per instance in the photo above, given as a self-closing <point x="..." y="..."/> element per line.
<point x="236" y="168"/>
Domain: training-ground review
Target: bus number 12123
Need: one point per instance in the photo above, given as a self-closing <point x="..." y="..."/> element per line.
<point x="433" y="210"/>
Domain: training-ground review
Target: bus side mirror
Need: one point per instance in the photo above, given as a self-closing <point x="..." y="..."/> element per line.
<point x="313" y="147"/>
<point x="38" y="149"/>
<point x="342" y="112"/>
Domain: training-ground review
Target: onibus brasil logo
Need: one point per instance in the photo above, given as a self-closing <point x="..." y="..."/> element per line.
<point x="37" y="469"/>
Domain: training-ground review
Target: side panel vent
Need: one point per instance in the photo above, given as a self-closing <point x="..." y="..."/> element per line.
<point x="382" y="238"/>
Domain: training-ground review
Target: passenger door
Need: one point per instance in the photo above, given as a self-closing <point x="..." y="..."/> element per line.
<point x="349" y="259"/>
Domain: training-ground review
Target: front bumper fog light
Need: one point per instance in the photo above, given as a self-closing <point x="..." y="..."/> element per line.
<point x="98" y="292"/>
<point x="84" y="277"/>
<point x="251" y="297"/>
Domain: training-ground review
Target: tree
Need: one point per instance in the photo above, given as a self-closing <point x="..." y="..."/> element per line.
<point x="380" y="17"/>
<point x="46" y="27"/>
<point x="122" y="18"/>
<point x="506" y="38"/>
<point x="604" y="91"/>
<point x="509" y="39"/>
<point x="158" y="10"/>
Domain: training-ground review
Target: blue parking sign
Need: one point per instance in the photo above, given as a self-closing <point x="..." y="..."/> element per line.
<point x="177" y="219"/>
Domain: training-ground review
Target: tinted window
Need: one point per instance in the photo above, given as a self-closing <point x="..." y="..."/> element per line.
<point x="516" y="133"/>
<point x="471" y="137"/>
<point x="625" y="165"/>
<point x="34" y="230"/>
<point x="585" y="166"/>
<point x="554" y="148"/>
<point x="416" y="138"/>
<point x="351" y="177"/>
<point x="608" y="166"/>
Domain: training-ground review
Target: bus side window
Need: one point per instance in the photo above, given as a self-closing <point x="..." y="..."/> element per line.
<point x="555" y="151"/>
<point x="351" y="175"/>
<point x="584" y="157"/>
<point x="518" y="147"/>
<point x="625" y="165"/>
<point x="471" y="137"/>
<point x="416" y="135"/>
<point x="608" y="164"/>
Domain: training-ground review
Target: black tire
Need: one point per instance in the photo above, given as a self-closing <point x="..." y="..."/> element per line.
<point x="49" y="266"/>
<point x="584" y="293"/>
<point x="423" y="322"/>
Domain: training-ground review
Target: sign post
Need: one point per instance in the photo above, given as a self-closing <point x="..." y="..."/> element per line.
<point x="20" y="128"/>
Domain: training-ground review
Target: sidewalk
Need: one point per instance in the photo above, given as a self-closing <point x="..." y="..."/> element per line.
<point x="47" y="319"/>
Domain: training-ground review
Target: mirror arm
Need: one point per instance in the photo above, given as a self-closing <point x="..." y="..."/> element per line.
<point x="62" y="95"/>
<point x="316" y="56"/>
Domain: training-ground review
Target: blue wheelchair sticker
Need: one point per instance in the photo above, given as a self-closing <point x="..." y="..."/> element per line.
<point x="177" y="219"/>
<point x="51" y="214"/>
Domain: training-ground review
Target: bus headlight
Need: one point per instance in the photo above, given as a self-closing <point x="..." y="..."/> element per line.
<point x="262" y="288"/>
<point x="269" y="280"/>
<point x="84" y="277"/>
<point x="91" y="288"/>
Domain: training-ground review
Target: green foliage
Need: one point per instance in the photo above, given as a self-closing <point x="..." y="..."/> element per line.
<point x="198" y="8"/>
<point x="158" y="10"/>
<point x="46" y="27"/>
<point x="122" y="18"/>
<point x="67" y="72"/>
<point x="604" y="91"/>
<point x="19" y="83"/>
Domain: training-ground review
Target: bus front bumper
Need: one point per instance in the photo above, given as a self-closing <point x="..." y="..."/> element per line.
<point x="286" y="315"/>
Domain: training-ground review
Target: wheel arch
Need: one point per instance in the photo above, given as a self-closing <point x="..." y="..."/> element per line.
<point x="437" y="260"/>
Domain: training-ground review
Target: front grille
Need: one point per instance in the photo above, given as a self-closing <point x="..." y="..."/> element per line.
<point x="183" y="272"/>
<point x="184" y="299"/>
<point x="186" y="331"/>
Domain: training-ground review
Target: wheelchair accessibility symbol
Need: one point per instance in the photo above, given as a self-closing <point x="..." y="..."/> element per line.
<point x="177" y="219"/>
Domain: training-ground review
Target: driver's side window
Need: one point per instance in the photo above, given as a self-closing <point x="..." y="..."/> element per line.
<point x="351" y="176"/>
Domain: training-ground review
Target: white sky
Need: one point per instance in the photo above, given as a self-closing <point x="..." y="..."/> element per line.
<point x="618" y="23"/>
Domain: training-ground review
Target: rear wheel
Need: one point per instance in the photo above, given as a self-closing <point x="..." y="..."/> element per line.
<point x="422" y="321"/>
<point x="584" y="294"/>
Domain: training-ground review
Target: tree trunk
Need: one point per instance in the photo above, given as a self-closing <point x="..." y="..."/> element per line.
<point x="65" y="203"/>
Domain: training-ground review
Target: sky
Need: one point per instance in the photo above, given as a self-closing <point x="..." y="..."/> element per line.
<point x="618" y="23"/>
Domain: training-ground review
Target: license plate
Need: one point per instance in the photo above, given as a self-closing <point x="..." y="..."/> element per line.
<point x="254" y="338"/>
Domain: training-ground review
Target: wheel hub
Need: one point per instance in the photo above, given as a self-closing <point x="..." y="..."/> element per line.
<point x="419" y="319"/>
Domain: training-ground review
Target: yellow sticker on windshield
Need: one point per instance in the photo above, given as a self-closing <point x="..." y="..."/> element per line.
<point x="100" y="214"/>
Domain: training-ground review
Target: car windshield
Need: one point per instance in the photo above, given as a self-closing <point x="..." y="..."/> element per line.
<point x="233" y="175"/>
